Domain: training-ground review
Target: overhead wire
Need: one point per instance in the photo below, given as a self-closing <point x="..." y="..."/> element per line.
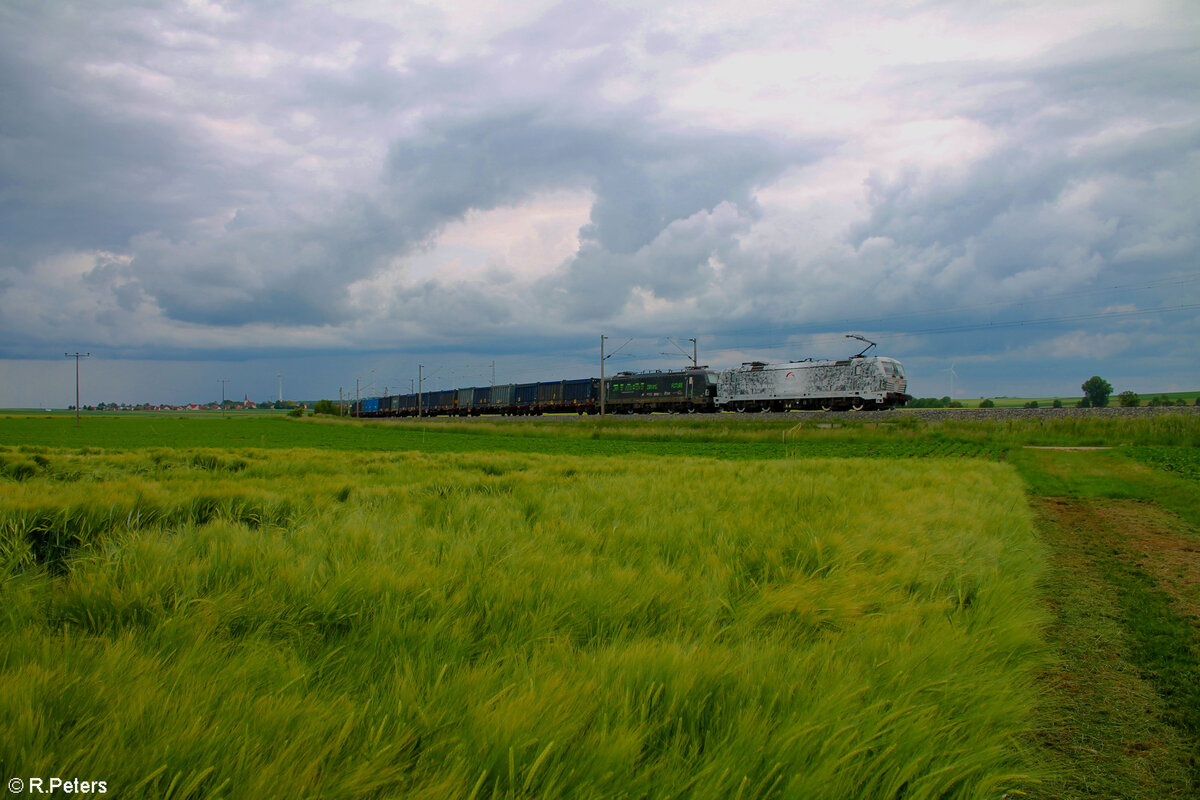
<point x="1128" y="287"/>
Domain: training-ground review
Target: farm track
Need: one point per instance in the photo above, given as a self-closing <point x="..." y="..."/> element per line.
<point x="1115" y="715"/>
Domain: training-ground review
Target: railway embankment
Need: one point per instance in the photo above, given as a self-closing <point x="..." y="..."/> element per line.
<point x="966" y="414"/>
<point x="969" y="414"/>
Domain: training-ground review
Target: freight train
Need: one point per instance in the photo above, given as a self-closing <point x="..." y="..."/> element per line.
<point x="860" y="382"/>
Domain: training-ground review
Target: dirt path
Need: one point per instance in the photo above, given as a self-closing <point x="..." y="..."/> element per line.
<point x="1113" y="724"/>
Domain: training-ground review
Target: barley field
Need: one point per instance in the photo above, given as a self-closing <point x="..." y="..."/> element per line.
<point x="262" y="623"/>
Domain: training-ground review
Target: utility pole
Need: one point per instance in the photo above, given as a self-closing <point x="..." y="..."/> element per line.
<point x="420" y="381"/>
<point x="77" y="356"/>
<point x="675" y="344"/>
<point x="357" y="398"/>
<point x="602" y="338"/>
<point x="341" y="404"/>
<point x="493" y="373"/>
<point x="223" y="382"/>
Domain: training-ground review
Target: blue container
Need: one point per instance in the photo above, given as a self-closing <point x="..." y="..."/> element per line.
<point x="550" y="393"/>
<point x="580" y="392"/>
<point x="525" y="395"/>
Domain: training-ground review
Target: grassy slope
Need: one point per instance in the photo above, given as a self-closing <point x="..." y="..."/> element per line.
<point x="420" y="625"/>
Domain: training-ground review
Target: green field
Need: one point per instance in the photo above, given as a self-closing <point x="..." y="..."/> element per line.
<point x="273" y="607"/>
<point x="1189" y="398"/>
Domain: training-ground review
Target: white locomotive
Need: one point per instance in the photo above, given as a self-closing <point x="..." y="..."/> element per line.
<point x="856" y="383"/>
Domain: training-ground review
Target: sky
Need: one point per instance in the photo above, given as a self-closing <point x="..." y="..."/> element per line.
<point x="299" y="199"/>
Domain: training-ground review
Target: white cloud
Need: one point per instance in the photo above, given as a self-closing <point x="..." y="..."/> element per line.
<point x="528" y="241"/>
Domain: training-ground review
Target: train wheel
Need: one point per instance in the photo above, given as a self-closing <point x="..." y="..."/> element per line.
<point x="826" y="407"/>
<point x="858" y="406"/>
<point x="740" y="409"/>
<point x="691" y="409"/>
<point x="765" y="408"/>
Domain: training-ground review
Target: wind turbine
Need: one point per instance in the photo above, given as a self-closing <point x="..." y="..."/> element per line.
<point x="953" y="378"/>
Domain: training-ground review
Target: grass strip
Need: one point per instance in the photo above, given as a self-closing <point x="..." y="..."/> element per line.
<point x="1123" y="622"/>
<point x="1164" y="644"/>
<point x="1106" y="729"/>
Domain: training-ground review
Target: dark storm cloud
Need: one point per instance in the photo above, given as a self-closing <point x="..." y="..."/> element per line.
<point x="107" y="164"/>
<point x="81" y="174"/>
<point x="645" y="181"/>
<point x="1098" y="174"/>
<point x="283" y="271"/>
<point x="119" y="165"/>
<point x="643" y="178"/>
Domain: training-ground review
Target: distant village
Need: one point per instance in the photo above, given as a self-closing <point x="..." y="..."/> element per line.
<point x="228" y="405"/>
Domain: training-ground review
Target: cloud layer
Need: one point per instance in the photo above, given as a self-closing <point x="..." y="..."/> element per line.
<point x="1009" y="189"/>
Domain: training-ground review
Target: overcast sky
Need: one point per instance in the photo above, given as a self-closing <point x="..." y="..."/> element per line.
<point x="1005" y="195"/>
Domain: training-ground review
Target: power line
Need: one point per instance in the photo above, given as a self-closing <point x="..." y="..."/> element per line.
<point x="860" y="322"/>
<point x="893" y="335"/>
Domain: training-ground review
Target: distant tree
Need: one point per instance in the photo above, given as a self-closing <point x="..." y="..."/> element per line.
<point x="1031" y="404"/>
<point x="298" y="411"/>
<point x="1084" y="403"/>
<point x="1130" y="399"/>
<point x="326" y="407"/>
<point x="1057" y="403"/>
<point x="1097" y="390"/>
<point x="986" y="404"/>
